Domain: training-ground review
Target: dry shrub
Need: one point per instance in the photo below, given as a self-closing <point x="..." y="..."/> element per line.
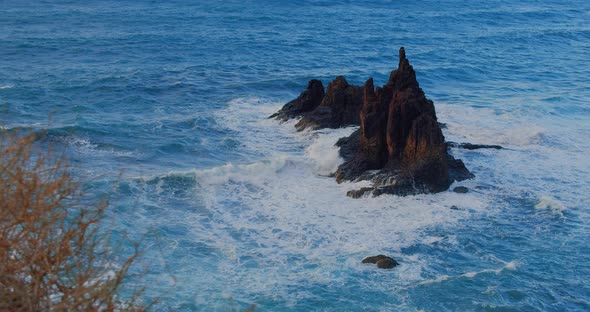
<point x="52" y="254"/>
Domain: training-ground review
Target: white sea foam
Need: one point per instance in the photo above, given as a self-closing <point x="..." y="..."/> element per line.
<point x="256" y="173"/>
<point x="323" y="153"/>
<point x="35" y="125"/>
<point x="82" y="144"/>
<point x="503" y="130"/>
<point x="6" y="86"/>
<point x="543" y="155"/>
<point x="550" y="203"/>
<point x="509" y="266"/>
<point x="85" y="146"/>
<point x="278" y="220"/>
<point x="439" y="279"/>
<point x="274" y="219"/>
<point x="432" y="239"/>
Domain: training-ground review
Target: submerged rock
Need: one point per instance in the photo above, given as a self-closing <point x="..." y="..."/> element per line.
<point x="461" y="189"/>
<point x="471" y="146"/>
<point x="358" y="193"/>
<point x="382" y="262"/>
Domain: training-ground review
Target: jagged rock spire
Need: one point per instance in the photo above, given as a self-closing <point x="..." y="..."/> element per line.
<point x="402" y="55"/>
<point x="399" y="133"/>
<point x="307" y="101"/>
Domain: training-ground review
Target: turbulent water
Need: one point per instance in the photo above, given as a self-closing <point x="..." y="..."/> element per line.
<point x="164" y="106"/>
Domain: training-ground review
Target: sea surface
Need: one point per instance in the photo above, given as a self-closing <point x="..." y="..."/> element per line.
<point x="164" y="105"/>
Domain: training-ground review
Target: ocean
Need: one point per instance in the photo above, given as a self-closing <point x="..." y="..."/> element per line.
<point x="163" y="106"/>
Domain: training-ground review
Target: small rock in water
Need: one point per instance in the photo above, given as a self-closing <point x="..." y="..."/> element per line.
<point x="387" y="263"/>
<point x="453" y="207"/>
<point x="358" y="193"/>
<point x="471" y="146"/>
<point x="374" y="259"/>
<point x="461" y="189"/>
<point x="383" y="262"/>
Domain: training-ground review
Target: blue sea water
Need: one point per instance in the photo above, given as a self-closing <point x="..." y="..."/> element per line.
<point x="164" y="105"/>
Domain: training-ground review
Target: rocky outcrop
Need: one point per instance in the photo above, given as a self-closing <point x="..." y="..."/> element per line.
<point x="401" y="138"/>
<point x="400" y="146"/>
<point x="338" y="107"/>
<point x="307" y="101"/>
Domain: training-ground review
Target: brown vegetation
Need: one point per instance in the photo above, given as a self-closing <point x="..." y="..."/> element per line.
<point x="52" y="255"/>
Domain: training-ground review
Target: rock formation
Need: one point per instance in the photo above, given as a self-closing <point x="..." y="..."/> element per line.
<point x="307" y="101"/>
<point x="400" y="146"/>
<point x="400" y="136"/>
<point x="338" y="107"/>
<point x="461" y="189"/>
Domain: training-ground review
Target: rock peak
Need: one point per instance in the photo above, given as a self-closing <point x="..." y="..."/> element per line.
<point x="400" y="136"/>
<point x="307" y="101"/>
<point x="402" y="54"/>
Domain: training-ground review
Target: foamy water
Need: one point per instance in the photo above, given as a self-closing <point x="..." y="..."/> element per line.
<point x="280" y="221"/>
<point x="164" y="105"/>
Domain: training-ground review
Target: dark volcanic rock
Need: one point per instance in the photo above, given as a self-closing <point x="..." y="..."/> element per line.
<point x="374" y="259"/>
<point x="383" y="262"/>
<point x="307" y="101"/>
<point x="457" y="169"/>
<point x="401" y="137"/>
<point x="399" y="147"/>
<point x="373" y="120"/>
<point x="358" y="193"/>
<point x="461" y="189"/>
<point x="366" y="149"/>
<point x="471" y="146"/>
<point x="340" y="107"/>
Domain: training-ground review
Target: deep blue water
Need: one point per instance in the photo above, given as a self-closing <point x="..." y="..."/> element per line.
<point x="164" y="105"/>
